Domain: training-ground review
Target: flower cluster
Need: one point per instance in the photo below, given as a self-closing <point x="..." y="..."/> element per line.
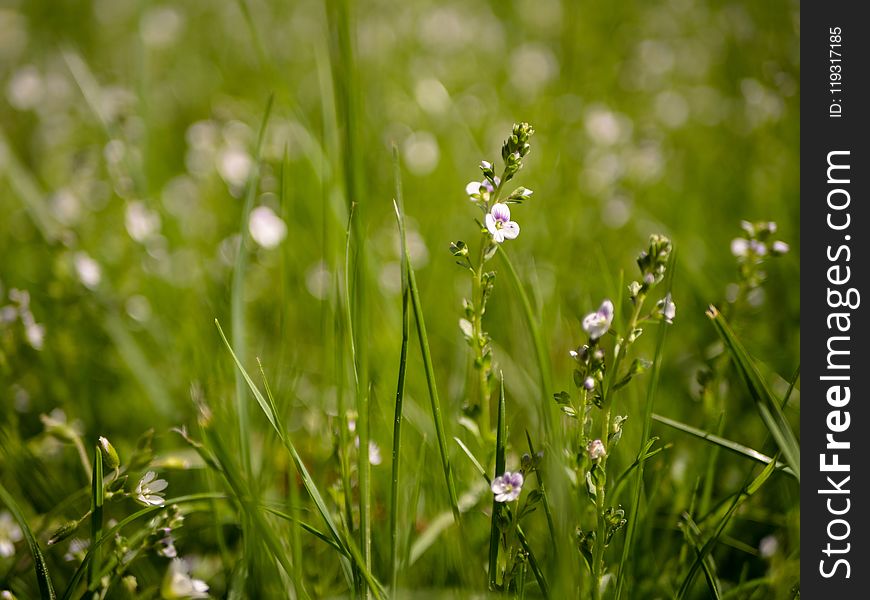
<point x="751" y="252"/>
<point x="496" y="227"/>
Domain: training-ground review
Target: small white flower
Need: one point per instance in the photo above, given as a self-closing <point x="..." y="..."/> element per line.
<point x="588" y="383"/>
<point x="375" y="457"/>
<point x="595" y="449"/>
<point x="267" y="228"/>
<point x="758" y="247"/>
<point x="667" y="308"/>
<point x="178" y="583"/>
<point x="10" y="533"/>
<point x="478" y="188"/>
<point x="374" y="454"/>
<point x="88" y="270"/>
<point x="507" y="487"/>
<point x="499" y="224"/>
<point x="148" y="489"/>
<point x="739" y="247"/>
<point x="768" y="546"/>
<point x="141" y="222"/>
<point x="598" y="323"/>
<point x="779" y="247"/>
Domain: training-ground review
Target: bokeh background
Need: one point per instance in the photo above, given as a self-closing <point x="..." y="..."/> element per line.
<point x="128" y="132"/>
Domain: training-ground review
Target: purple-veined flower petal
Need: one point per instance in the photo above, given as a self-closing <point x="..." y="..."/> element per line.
<point x="510" y="230"/>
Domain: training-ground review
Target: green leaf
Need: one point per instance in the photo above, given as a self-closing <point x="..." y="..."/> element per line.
<point x="46" y="589"/>
<point x="734" y="447"/>
<point x="767" y="406"/>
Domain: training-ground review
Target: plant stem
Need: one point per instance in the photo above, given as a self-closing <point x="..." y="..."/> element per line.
<point x="607" y="405"/>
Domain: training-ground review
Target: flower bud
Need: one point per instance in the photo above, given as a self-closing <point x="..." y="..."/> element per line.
<point x="63" y="532"/>
<point x="110" y="455"/>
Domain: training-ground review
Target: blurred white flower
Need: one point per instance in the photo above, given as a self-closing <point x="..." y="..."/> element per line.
<point x="267" y="228"/>
<point x="178" y="584"/>
<point x="768" y="546"/>
<point x="141" y="222"/>
<point x="25" y="89"/>
<point x="374" y="453"/>
<point x="739" y="247"/>
<point x="148" y="489"/>
<point x="432" y="96"/>
<point x="234" y="165"/>
<point x="160" y="26"/>
<point x="318" y="280"/>
<point x="35" y="333"/>
<point x="10" y="533"/>
<point x="603" y="126"/>
<point x="421" y="153"/>
<point x="88" y="270"/>
<point x="779" y="247"/>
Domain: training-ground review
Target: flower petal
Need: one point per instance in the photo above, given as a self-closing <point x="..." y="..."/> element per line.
<point x="510" y="230"/>
<point x="606" y="311"/>
<point x="158" y="486"/>
<point x="472" y="188"/>
<point x="501" y="212"/>
<point x="498" y="236"/>
<point x="490" y="223"/>
<point x="739" y="247"/>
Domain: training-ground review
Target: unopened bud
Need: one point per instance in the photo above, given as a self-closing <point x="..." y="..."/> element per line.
<point x="110" y="455"/>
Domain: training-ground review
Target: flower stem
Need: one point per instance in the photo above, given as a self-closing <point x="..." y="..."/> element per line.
<point x="607" y="404"/>
<point x="477" y="298"/>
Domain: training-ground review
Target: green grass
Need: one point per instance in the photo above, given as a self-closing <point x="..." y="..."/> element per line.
<point x="359" y="124"/>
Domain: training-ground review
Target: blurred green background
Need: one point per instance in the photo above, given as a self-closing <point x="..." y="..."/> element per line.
<point x="127" y="133"/>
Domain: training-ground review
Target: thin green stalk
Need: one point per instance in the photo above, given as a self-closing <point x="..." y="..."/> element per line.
<point x="477" y="301"/>
<point x="620" y="351"/>
<point x="541" y="354"/>
<point x="494" y="529"/>
<point x="362" y="407"/>
<point x="400" y="395"/>
<point x="430" y="374"/>
<point x="43" y="578"/>
<point x="638" y="484"/>
<point x="237" y="301"/>
<point x="97" y="495"/>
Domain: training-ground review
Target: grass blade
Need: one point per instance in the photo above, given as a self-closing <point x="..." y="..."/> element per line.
<point x="727" y="444"/>
<point x="400" y="396"/>
<point x="46" y="589"/>
<point x="739" y="498"/>
<point x="538" y="342"/>
<point x="110" y="534"/>
<point x="494" y="531"/>
<point x="693" y="534"/>
<point x="533" y="563"/>
<point x="544" y="499"/>
<point x="642" y="454"/>
<point x="97" y="495"/>
<point x="473" y="460"/>
<point x="268" y="408"/>
<point x="429" y="370"/>
<point x="769" y="409"/>
<point x="237" y="300"/>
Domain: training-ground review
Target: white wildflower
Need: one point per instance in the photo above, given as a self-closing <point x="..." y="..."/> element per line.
<point x="499" y="224"/>
<point x="148" y="489"/>
<point x="267" y="228"/>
